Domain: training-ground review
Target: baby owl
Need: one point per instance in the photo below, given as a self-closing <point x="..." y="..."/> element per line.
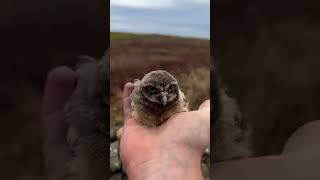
<point x="157" y="97"/>
<point x="86" y="113"/>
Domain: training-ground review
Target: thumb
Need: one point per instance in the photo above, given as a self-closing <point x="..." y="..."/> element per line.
<point x="127" y="110"/>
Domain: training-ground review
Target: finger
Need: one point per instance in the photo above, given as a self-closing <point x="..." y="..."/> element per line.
<point x="59" y="86"/>
<point x="204" y="112"/>
<point x="128" y="88"/>
<point x="131" y="122"/>
<point x="305" y="139"/>
<point x="205" y="105"/>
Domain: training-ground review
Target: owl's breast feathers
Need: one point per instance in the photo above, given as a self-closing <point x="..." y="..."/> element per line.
<point x="153" y="114"/>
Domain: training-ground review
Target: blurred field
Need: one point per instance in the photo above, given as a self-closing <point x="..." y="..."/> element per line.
<point x="133" y="55"/>
<point x="127" y="36"/>
<point x="135" y="36"/>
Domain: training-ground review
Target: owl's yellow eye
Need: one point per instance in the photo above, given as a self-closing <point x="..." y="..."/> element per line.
<point x="171" y="88"/>
<point x="152" y="89"/>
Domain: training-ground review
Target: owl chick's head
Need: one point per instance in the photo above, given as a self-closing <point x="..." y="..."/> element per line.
<point x="160" y="88"/>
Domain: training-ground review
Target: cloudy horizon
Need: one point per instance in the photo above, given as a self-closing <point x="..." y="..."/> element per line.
<point x="189" y="18"/>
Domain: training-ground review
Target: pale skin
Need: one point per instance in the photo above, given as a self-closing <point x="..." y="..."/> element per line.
<point x="172" y="150"/>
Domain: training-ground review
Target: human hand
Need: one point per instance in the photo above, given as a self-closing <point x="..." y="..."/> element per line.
<point x="299" y="160"/>
<point x="59" y="87"/>
<point x="172" y="150"/>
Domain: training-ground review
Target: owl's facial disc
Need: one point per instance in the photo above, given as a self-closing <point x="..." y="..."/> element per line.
<point x="161" y="94"/>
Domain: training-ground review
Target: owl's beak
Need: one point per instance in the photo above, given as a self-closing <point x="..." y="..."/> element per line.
<point x="164" y="99"/>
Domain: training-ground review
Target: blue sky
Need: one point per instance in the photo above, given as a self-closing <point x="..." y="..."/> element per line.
<point x="170" y="17"/>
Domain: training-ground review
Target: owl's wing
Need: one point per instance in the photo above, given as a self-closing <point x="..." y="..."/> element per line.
<point x="233" y="140"/>
<point x="136" y="82"/>
<point x="184" y="103"/>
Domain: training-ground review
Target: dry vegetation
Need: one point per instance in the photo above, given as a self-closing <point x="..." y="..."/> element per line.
<point x="187" y="59"/>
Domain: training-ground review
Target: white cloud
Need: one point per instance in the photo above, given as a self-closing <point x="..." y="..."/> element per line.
<point x="155" y="4"/>
<point x="201" y="1"/>
<point x="142" y="3"/>
<point x="171" y="17"/>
